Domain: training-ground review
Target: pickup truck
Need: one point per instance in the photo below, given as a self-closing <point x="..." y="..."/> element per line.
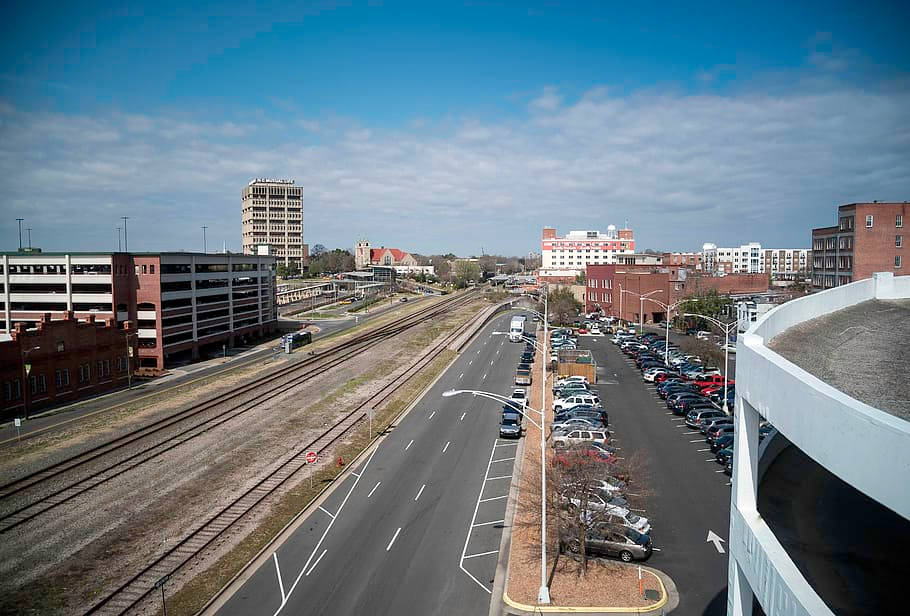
<point x="523" y="376"/>
<point x="577" y="437"/>
<point x="714" y="379"/>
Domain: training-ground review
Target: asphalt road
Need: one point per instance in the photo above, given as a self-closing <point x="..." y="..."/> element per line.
<point x="686" y="495"/>
<point x="416" y="528"/>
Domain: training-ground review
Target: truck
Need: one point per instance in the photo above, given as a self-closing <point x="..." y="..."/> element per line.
<point x="523" y="376"/>
<point x="517" y="328"/>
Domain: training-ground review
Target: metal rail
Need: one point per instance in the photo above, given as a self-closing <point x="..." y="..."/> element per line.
<point x="298" y="374"/>
<point x="143" y="584"/>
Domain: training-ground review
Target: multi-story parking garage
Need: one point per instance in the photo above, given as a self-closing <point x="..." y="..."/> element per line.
<point x="820" y="515"/>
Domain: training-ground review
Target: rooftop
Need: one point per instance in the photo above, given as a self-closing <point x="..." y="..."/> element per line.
<point x="861" y="350"/>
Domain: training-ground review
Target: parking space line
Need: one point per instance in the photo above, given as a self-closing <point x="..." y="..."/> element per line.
<point x="316" y="563"/>
<point x="474" y="517"/>
<point x="503" y="477"/>
<point x="487" y="523"/>
<point x="700" y="450"/>
<point x="419" y="492"/>
<point x="492" y="498"/>
<point x="698" y="440"/>
<point x="484" y="376"/>
<point x="678" y="419"/>
<point x="278" y="571"/>
<point x="394" y="537"/>
<point x="461" y="375"/>
<point x="321" y="508"/>
<point x="720" y="471"/>
<point x="491" y="362"/>
<point x="481" y="554"/>
<point x="505" y="444"/>
<point x="696" y="432"/>
<point x="374" y="489"/>
<point x="503" y="460"/>
<point x="710" y="459"/>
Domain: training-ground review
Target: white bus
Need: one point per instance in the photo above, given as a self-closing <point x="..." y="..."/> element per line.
<point x="517" y="328"/>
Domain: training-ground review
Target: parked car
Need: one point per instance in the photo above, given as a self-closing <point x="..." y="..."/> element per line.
<point x="575" y="400"/>
<point x="695" y="416"/>
<point x="724" y="455"/>
<point x="510" y="425"/>
<point x="574" y="456"/>
<point x="717" y="431"/>
<point x="713" y="422"/>
<point x="572" y="423"/>
<point x="583" y="410"/>
<point x="520" y="398"/>
<point x="722" y="442"/>
<point x="577" y="437"/>
<point x="571" y="379"/>
<point x="607" y="540"/>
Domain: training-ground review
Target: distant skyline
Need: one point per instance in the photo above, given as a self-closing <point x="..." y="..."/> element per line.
<point x="450" y="127"/>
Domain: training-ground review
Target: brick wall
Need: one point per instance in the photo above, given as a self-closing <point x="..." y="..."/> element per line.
<point x="874" y="249"/>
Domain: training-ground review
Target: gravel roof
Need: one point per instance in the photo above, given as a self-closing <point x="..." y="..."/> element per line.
<point x="863" y="350"/>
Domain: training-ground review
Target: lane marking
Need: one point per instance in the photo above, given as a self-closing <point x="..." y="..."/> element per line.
<point x="325" y="533"/>
<point x="316" y="563"/>
<point x="394" y="537"/>
<point x="447" y="446"/>
<point x="461" y="375"/>
<point x="374" y="489"/>
<point x="482" y="554"/>
<point x="710" y="459"/>
<point x="484" y="376"/>
<point x="470" y="362"/>
<point x="431" y="415"/>
<point x="488" y="523"/>
<point x="696" y="432"/>
<point x="278" y="571"/>
<point x="462" y="416"/>
<point x="467" y="538"/>
<point x="419" y="492"/>
<point x="321" y="508"/>
<point x="503" y="460"/>
<point x="491" y="362"/>
<point x="492" y="498"/>
<point x="356" y="474"/>
<point x="409" y="445"/>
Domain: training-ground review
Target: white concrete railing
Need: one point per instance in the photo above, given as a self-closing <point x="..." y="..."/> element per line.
<point x="866" y="447"/>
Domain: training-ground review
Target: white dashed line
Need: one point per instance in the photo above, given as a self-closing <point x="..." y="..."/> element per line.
<point x="420" y="491"/>
<point x="374" y="489"/>
<point x="484" y="376"/>
<point x="698" y="440"/>
<point x="431" y="415"/>
<point x="409" y="445"/>
<point x="491" y="362"/>
<point x="700" y="450"/>
<point x="462" y="416"/>
<point x="447" y="446"/>
<point x="461" y="375"/>
<point x="503" y="460"/>
<point x="394" y="537"/>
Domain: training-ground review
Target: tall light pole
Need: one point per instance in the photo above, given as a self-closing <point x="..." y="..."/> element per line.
<point x="667" y="336"/>
<point x="203" y="238"/>
<point x="126" y="240"/>
<point x="29" y="232"/>
<point x="641" y="309"/>
<point x="119" y="240"/>
<point x="726" y="328"/>
<point x="543" y="594"/>
<point x="19" y="220"/>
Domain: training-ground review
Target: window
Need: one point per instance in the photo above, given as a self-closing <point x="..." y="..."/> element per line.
<point x="151" y="269"/>
<point x="897" y="261"/>
<point x="58" y="378"/>
<point x="144" y="269"/>
<point x="898" y="241"/>
<point x="899" y="220"/>
<point x="869" y="221"/>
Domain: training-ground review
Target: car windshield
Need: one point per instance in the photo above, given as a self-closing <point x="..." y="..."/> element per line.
<point x="632" y="518"/>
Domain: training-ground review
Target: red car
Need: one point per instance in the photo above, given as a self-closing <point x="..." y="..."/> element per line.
<point x="715" y="379"/>
<point x="568" y="458"/>
<point x="663" y="376"/>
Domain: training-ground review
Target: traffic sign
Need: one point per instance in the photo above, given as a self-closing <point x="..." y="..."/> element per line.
<point x="17" y="422"/>
<point x="28" y="369"/>
<point x="311" y="457"/>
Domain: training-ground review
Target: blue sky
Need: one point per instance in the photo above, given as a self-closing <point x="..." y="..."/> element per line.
<point x="443" y="127"/>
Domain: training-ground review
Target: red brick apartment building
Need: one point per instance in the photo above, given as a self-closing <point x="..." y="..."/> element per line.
<point x="616" y="290"/>
<point x="868" y="238"/>
<point x="180" y="303"/>
<point x="63" y="360"/>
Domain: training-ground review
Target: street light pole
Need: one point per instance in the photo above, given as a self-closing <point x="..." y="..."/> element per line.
<point x="119" y="240"/>
<point x="29" y="232"/>
<point x="203" y="239"/>
<point x="543" y="594"/>
<point x="126" y="241"/>
<point x="726" y="328"/>
<point x="667" y="324"/>
<point x="19" y="220"/>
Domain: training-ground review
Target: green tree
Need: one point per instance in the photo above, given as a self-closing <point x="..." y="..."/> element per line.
<point x="562" y="306"/>
<point x="466" y="272"/>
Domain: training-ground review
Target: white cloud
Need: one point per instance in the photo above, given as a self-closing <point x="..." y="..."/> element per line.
<point x="684" y="169"/>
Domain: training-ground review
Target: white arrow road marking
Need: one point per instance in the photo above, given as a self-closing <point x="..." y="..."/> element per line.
<point x="714" y="538"/>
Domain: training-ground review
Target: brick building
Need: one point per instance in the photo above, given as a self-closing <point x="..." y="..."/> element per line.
<point x="365" y="256"/>
<point x="867" y="238"/>
<point x="689" y="260"/>
<point x="616" y="290"/>
<point x="181" y="303"/>
<point x="66" y="359"/>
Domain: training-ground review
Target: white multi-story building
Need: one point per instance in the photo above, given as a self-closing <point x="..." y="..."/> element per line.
<point x="272" y="216"/>
<point x="578" y="249"/>
<point x="751" y="258"/>
<point x="820" y="510"/>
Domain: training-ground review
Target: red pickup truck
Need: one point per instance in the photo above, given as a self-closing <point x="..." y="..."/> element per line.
<point x="714" y="379"/>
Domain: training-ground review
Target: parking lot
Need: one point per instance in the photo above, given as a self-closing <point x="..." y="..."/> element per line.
<point x="687" y="495"/>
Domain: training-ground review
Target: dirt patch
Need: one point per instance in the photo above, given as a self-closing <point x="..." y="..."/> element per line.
<point x="605" y="584"/>
<point x="62" y="563"/>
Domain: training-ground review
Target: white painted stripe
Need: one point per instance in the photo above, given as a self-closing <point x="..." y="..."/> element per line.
<point x="447" y="446"/>
<point x="470" y="362"/>
<point x="710" y="459"/>
<point x="503" y="460"/>
<point x="503" y="477"/>
<point x="431" y="415"/>
<point x="278" y="571"/>
<point x="462" y="416"/>
<point x="316" y="563"/>
<point x="698" y="440"/>
<point x="321" y="508"/>
<point x="491" y="362"/>
<point x="700" y="450"/>
<point x="420" y="491"/>
<point x="720" y="471"/>
<point x="696" y="432"/>
<point x="484" y="376"/>
<point x="481" y="554"/>
<point x="488" y="523"/>
<point x="394" y="537"/>
<point x="374" y="489"/>
<point x="461" y="375"/>
<point x="492" y="498"/>
<point x="409" y="445"/>
<point x="356" y="474"/>
<point x="467" y="538"/>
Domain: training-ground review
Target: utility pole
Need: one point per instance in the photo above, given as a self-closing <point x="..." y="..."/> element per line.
<point x="203" y="239"/>
<point x="19" y="220"/>
<point x="126" y="241"/>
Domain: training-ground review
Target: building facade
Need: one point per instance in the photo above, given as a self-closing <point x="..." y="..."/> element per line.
<point x="63" y="360"/>
<point x="271" y="215"/>
<point x="578" y="249"/>
<point x="868" y="238"/>
<point x="689" y="260"/>
<point x="365" y="256"/>
<point x="746" y="259"/>
<point x="180" y="302"/>
<point x="787" y="263"/>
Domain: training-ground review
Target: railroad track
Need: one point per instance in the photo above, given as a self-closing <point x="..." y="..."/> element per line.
<point x="191" y="422"/>
<point x="143" y="584"/>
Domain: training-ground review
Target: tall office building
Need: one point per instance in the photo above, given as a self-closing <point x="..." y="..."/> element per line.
<point x="272" y="220"/>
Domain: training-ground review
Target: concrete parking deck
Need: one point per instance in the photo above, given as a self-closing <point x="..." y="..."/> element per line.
<point x="862" y="350"/>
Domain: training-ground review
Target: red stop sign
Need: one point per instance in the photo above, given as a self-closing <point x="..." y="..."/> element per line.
<point x="310" y="457"/>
